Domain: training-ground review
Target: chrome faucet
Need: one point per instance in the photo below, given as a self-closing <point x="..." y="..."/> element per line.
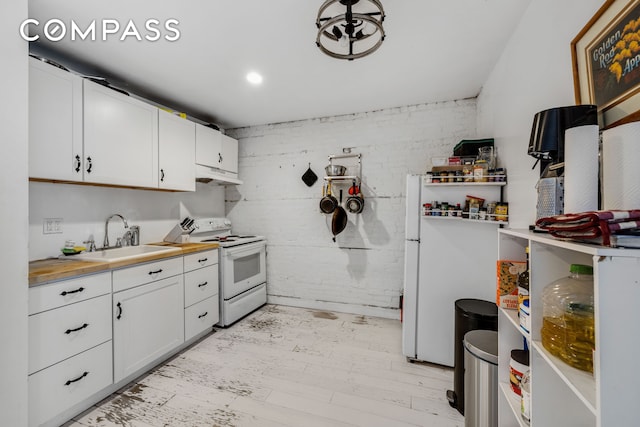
<point x="105" y="245"/>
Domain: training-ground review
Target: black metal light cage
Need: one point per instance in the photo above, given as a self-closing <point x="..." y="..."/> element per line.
<point x="330" y="35"/>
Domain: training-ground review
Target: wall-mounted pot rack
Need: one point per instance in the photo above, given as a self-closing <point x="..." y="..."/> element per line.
<point x="356" y="174"/>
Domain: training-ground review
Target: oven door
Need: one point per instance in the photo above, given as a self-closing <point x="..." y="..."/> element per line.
<point x="243" y="267"/>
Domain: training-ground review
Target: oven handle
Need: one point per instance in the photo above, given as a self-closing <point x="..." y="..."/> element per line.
<point x="236" y="251"/>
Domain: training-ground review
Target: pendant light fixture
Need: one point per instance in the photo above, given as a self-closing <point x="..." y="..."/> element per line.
<point x="350" y="29"/>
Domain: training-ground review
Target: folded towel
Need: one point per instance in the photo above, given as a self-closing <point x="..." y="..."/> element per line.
<point x="592" y="224"/>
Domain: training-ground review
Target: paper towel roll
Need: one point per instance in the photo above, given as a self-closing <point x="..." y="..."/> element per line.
<point x="620" y="171"/>
<point x="581" y="169"/>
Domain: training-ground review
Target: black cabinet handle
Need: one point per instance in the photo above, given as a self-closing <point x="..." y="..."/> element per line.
<point x="119" y="311"/>
<point x="155" y="272"/>
<point x="89" y="165"/>
<point x="202" y="284"/>
<point x="203" y="260"/>
<point x="77" y="379"/>
<point x="78" y="163"/>
<point x="162" y="175"/>
<point x="65" y="293"/>
<point x="203" y="315"/>
<point x="219" y="157"/>
<point x="68" y="331"/>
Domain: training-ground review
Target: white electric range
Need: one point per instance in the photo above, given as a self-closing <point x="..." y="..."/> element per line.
<point x="242" y="268"/>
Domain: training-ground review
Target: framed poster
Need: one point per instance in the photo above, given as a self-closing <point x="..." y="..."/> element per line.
<point x="606" y="62"/>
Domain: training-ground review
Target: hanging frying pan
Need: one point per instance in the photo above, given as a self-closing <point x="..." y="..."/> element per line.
<point x="309" y="177"/>
<point x="355" y="202"/>
<point x="328" y="203"/>
<point x="339" y="220"/>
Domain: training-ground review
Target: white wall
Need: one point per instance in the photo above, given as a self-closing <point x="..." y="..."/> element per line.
<point x="534" y="73"/>
<point x="363" y="271"/>
<point x="84" y="210"/>
<point x="13" y="216"/>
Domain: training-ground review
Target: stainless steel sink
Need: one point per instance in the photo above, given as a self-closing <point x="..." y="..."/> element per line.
<point x="125" y="253"/>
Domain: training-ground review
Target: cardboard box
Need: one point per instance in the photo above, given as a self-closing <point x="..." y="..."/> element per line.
<point x="507" y="272"/>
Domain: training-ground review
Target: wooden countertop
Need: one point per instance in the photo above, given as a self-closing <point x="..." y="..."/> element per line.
<point x="189" y="248"/>
<point x="50" y="269"/>
<point x="47" y="270"/>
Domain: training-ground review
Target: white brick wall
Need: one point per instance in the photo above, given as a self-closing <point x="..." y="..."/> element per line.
<point x="362" y="272"/>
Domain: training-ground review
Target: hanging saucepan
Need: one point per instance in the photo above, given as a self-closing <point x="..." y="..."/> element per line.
<point x="339" y="220"/>
<point x="328" y="203"/>
<point x="355" y="202"/>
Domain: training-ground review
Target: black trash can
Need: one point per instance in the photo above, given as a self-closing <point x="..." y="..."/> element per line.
<point x="471" y="314"/>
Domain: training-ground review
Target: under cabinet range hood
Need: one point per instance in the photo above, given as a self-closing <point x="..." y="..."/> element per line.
<point x="207" y="174"/>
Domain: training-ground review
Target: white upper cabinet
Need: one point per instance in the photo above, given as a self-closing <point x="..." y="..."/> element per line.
<point x="120" y="138"/>
<point x="229" y="154"/>
<point x="177" y="152"/>
<point x="208" y="146"/>
<point x="55" y="123"/>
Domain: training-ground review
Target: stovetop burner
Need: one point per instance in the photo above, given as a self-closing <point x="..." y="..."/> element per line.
<point x="218" y="230"/>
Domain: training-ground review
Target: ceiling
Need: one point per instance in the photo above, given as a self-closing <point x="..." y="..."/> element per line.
<point x="435" y="50"/>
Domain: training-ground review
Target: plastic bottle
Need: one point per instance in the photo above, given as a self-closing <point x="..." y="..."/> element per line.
<point x="525" y="400"/>
<point x="568" y="330"/>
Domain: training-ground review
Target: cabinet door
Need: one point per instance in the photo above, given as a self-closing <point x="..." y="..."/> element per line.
<point x="229" y="154"/>
<point x="148" y="322"/>
<point x="208" y="146"/>
<point x="120" y="138"/>
<point x="177" y="152"/>
<point x="55" y="123"/>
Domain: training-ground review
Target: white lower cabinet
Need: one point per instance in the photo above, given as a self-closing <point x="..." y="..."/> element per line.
<point x="201" y="293"/>
<point x="88" y="334"/>
<point x="70" y="352"/>
<point x="61" y="386"/>
<point x="148" y="322"/>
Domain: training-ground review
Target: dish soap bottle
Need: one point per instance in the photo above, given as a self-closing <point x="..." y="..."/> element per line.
<point x="568" y="330"/>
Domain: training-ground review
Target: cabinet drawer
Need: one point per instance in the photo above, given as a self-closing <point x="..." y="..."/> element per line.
<point x="58" y="294"/>
<point x="200" y="259"/>
<point x="56" y="389"/>
<point x="200" y="284"/>
<point x="145" y="273"/>
<point x="58" y="334"/>
<point x="201" y="316"/>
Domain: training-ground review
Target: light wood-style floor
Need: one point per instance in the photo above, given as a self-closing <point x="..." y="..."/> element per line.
<point x="284" y="366"/>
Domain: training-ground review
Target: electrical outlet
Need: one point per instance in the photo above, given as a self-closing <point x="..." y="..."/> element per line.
<point x="52" y="226"/>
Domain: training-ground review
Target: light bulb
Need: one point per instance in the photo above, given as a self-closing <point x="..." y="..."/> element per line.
<point x="254" y="78"/>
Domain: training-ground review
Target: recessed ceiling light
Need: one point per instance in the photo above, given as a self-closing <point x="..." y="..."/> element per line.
<point x="254" y="78"/>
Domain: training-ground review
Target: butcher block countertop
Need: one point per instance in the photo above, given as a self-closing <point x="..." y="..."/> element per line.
<point x="189" y="248"/>
<point x="50" y="269"/>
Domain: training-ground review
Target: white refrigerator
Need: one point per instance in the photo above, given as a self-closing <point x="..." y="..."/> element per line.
<point x="446" y="259"/>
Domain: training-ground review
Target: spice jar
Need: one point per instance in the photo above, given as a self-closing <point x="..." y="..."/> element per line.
<point x="502" y="211"/>
<point x="480" y="171"/>
<point x="467" y="172"/>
